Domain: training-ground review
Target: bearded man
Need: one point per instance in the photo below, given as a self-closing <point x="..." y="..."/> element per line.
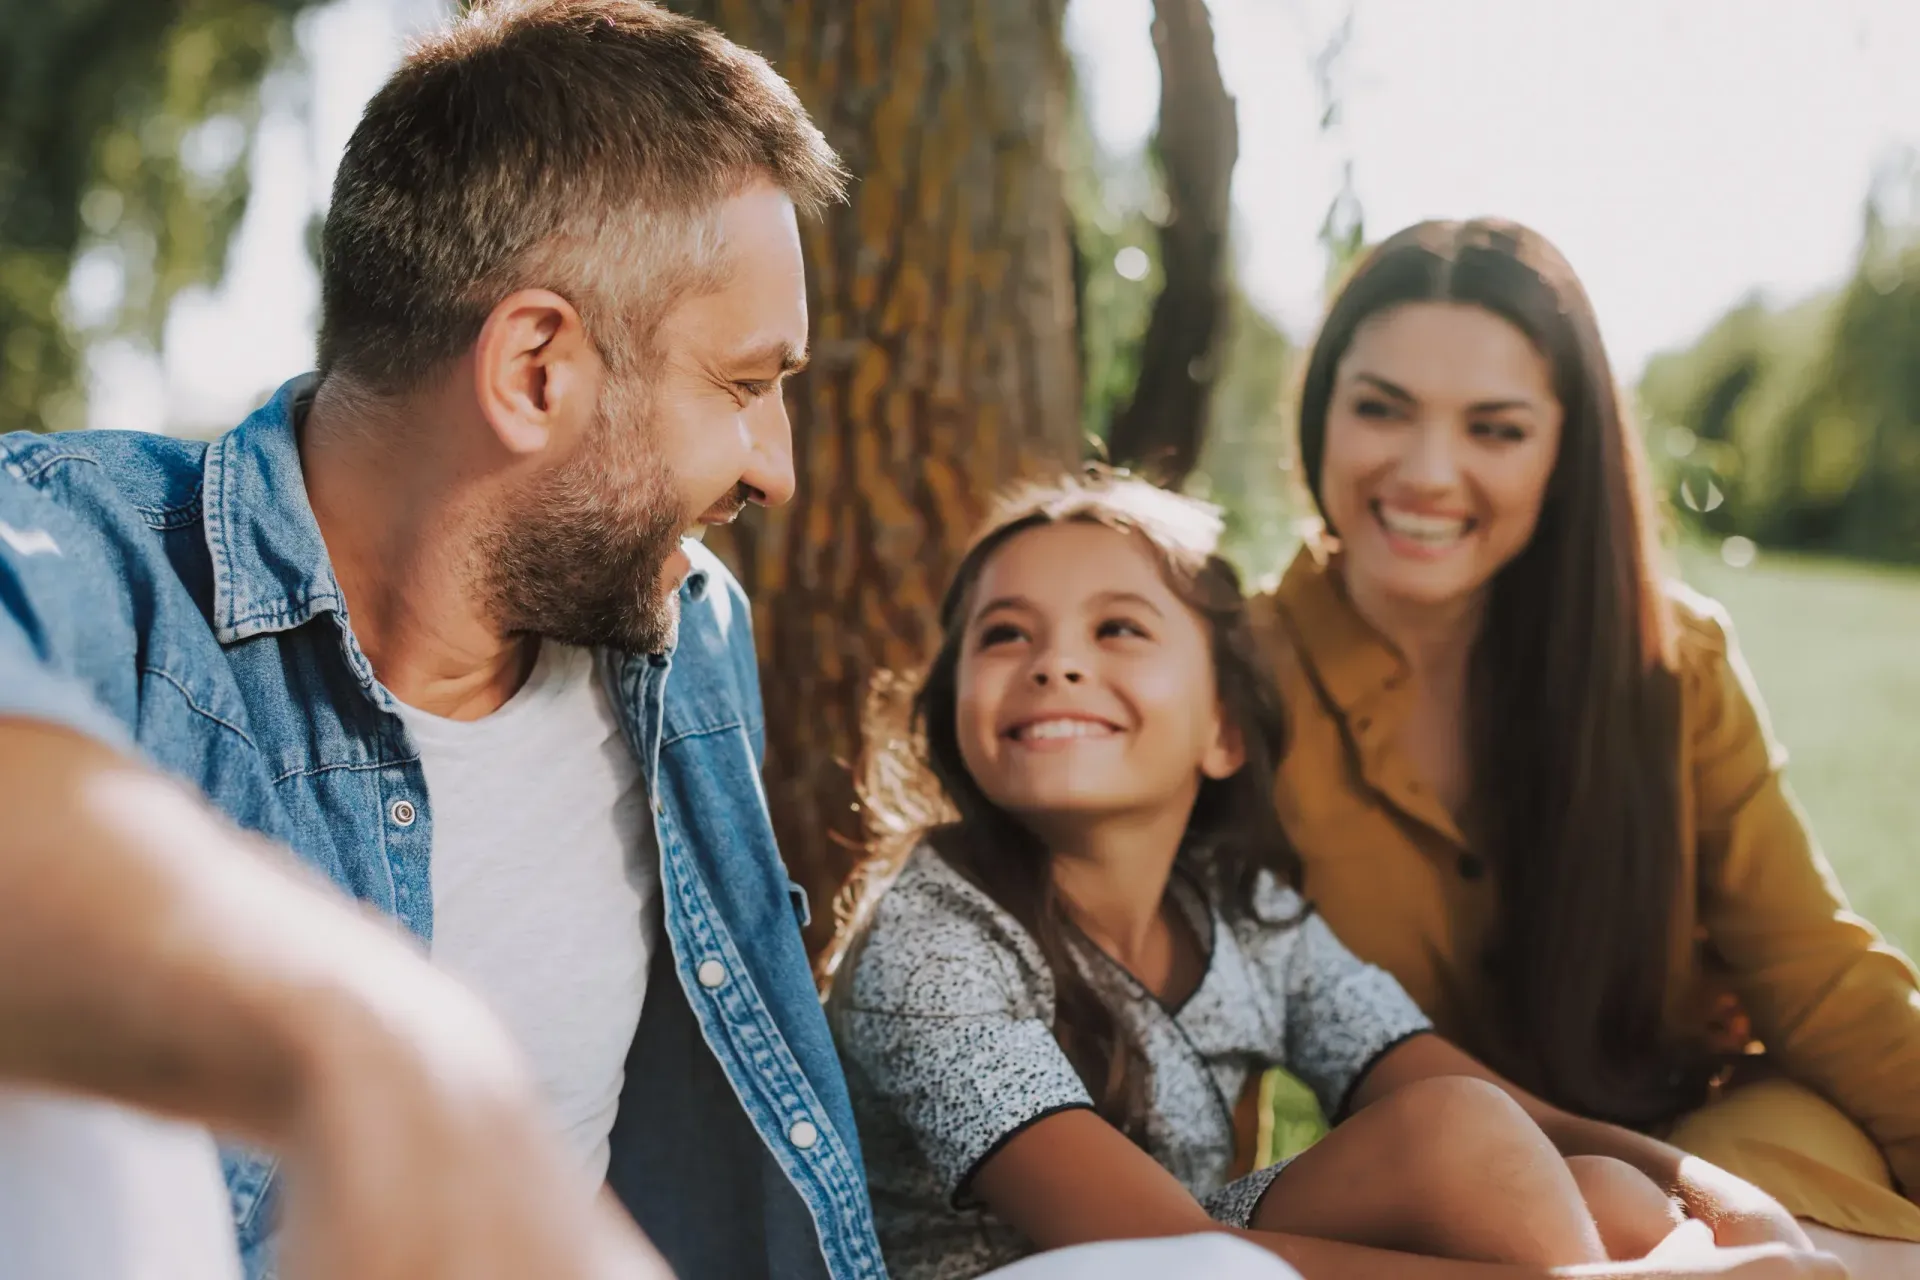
<point x="430" y="620"/>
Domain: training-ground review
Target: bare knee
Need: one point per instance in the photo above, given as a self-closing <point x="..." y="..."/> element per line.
<point x="1462" y="1124"/>
<point x="1632" y="1213"/>
<point x="1448" y="1168"/>
<point x="1475" y="1152"/>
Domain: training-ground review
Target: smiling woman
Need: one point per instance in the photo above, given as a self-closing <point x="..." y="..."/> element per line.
<point x="1531" y="776"/>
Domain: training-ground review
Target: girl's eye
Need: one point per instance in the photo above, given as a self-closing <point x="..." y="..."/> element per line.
<point x="1502" y="432"/>
<point x="1114" y="627"/>
<point x="1369" y="407"/>
<point x="998" y="633"/>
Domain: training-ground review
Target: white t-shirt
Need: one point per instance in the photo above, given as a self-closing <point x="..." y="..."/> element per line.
<point x="89" y="1191"/>
<point x="544" y="871"/>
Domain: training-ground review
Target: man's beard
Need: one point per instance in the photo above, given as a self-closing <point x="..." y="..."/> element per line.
<point x="580" y="559"/>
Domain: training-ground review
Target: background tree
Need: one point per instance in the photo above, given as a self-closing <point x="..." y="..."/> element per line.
<point x="948" y="349"/>
<point x="1798" y="427"/>
<point x="1161" y="429"/>
<point x="944" y="357"/>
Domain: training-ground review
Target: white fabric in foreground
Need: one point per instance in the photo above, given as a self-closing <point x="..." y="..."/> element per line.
<point x="90" y="1191"/>
<point x="1215" y="1256"/>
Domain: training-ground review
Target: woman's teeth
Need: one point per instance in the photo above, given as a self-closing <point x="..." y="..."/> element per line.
<point x="1432" y="530"/>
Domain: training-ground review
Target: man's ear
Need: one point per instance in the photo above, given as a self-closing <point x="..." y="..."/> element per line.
<point x="1227" y="754"/>
<point x="536" y="373"/>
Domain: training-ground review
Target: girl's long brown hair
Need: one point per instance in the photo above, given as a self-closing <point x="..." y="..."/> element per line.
<point x="1574" y="708"/>
<point x="914" y="784"/>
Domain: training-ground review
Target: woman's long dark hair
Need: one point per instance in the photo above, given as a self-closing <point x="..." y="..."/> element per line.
<point x="1573" y="722"/>
<point x="914" y="783"/>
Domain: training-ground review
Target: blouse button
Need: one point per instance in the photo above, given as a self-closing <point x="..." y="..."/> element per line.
<point x="403" y="813"/>
<point x="803" y="1135"/>
<point x="1364" y="723"/>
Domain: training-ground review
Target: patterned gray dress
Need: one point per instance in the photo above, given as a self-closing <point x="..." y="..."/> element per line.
<point x="944" y="1024"/>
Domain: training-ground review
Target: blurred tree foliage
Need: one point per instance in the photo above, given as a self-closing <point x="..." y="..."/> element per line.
<point x="1799" y="426"/>
<point x="124" y="135"/>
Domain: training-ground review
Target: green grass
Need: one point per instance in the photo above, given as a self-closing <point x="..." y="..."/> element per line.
<point x="1835" y="649"/>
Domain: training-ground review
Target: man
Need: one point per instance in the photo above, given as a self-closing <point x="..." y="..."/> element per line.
<point x="415" y="621"/>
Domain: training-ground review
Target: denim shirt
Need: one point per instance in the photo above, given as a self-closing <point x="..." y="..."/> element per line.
<point x="175" y="598"/>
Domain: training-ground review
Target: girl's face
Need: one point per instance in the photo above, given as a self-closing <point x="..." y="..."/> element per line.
<point x="1442" y="433"/>
<point x="1085" y="685"/>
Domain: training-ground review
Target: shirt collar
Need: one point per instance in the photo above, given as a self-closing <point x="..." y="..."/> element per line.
<point x="270" y="566"/>
<point x="1351" y="662"/>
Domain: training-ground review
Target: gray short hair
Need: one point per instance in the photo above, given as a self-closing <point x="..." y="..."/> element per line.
<point x="583" y="146"/>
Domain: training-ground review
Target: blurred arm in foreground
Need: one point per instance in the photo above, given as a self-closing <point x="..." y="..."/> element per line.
<point x="152" y="954"/>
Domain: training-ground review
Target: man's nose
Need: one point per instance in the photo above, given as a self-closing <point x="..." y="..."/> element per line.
<point x="770" y="471"/>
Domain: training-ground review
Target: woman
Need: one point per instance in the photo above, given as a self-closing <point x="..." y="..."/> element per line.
<point x="1531" y="777"/>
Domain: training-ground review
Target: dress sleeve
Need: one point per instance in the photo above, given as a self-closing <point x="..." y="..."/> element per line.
<point x="949" y="1028"/>
<point x="1836" y="1005"/>
<point x="1340" y="1014"/>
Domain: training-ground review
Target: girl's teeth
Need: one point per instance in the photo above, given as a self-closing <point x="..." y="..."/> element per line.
<point x="1064" y="729"/>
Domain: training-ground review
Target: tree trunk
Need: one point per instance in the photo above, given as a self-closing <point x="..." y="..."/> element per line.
<point x="944" y="360"/>
<point x="1161" y="429"/>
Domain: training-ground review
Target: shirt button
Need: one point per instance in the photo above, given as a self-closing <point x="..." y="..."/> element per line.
<point x="711" y="973"/>
<point x="403" y="813"/>
<point x="1471" y="868"/>
<point x="803" y="1135"/>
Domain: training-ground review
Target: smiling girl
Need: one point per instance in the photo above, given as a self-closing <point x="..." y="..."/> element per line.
<point x="1045" y="1017"/>
<point x="1532" y="778"/>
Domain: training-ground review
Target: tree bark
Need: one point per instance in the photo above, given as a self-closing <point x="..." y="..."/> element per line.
<point x="1162" y="428"/>
<point x="944" y="360"/>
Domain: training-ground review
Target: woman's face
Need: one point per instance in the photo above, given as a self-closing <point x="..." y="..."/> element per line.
<point x="1441" y="435"/>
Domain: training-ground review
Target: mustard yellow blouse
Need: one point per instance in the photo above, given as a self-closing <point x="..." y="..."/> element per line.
<point x="1837" y="1007"/>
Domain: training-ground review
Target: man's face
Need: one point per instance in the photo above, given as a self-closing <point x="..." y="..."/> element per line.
<point x="592" y="556"/>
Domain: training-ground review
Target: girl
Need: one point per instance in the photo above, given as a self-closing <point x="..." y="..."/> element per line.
<point x="1532" y="778"/>
<point x="1047" y="1013"/>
